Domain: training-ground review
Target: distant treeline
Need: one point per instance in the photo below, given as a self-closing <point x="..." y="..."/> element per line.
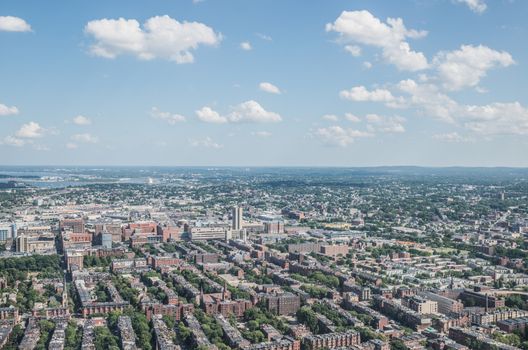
<point x="5" y="176"/>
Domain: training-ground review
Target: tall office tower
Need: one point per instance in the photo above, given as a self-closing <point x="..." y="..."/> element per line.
<point x="236" y="214"/>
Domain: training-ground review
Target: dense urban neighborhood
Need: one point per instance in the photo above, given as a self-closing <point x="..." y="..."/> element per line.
<point x="264" y="258"/>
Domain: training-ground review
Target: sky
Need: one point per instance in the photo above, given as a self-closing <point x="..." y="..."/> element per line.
<point x="264" y="83"/>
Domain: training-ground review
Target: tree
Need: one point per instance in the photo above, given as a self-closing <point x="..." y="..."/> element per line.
<point x="46" y="330"/>
<point x="73" y="337"/>
<point x="142" y="329"/>
<point x="397" y="345"/>
<point x="184" y="332"/>
<point x="105" y="340"/>
<point x="14" y="338"/>
<point x="307" y="316"/>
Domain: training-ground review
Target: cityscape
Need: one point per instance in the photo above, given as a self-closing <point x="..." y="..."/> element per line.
<point x="264" y="258"/>
<point x="263" y="175"/>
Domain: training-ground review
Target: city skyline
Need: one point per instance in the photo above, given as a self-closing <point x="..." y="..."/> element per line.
<point x="279" y="83"/>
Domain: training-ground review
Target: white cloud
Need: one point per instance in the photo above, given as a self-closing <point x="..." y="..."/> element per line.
<point x="269" y="87"/>
<point x="481" y="90"/>
<point x="85" y="138"/>
<point x="378" y="123"/>
<point x="428" y="99"/>
<point x="361" y="27"/>
<point x="466" y="66"/>
<point x="261" y="133"/>
<point x="496" y="119"/>
<point x="208" y="115"/>
<point x="13" y="141"/>
<point x="477" y="6"/>
<point x="264" y="37"/>
<point x="82" y="120"/>
<point x="252" y="111"/>
<point x="354" y="50"/>
<point x="6" y="110"/>
<point x="452" y="137"/>
<point x="71" y="145"/>
<point x="207" y="142"/>
<point x="338" y="136"/>
<point x="26" y="135"/>
<point x="330" y="117"/>
<point x="160" y="37"/>
<point x="30" y="130"/>
<point x="246" y="45"/>
<point x="352" y="118"/>
<point x="367" y="65"/>
<point x="246" y="112"/>
<point x="490" y="119"/>
<point x="170" y="118"/>
<point x="13" y="24"/>
<point x="360" y="93"/>
<point x="41" y="148"/>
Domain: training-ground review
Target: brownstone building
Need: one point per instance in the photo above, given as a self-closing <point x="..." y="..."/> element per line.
<point x="281" y="303"/>
<point x="331" y="340"/>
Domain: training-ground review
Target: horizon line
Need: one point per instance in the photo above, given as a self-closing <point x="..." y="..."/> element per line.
<point x="273" y="166"/>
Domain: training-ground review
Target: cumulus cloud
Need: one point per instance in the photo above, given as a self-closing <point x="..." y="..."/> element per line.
<point x="81" y="120"/>
<point x="489" y="119"/>
<point x="354" y="50"/>
<point x="7" y="110"/>
<point x="171" y="119"/>
<point x="378" y="123"/>
<point x="269" y="87"/>
<point x="41" y="148"/>
<point x="429" y="100"/>
<point x="13" y="24"/>
<point x="30" y="130"/>
<point x="246" y="46"/>
<point x="252" y="111"/>
<point x="85" y="138"/>
<point x="264" y="37"/>
<point x="339" y="136"/>
<point x="352" y="118"/>
<point x="496" y="119"/>
<point x="477" y="6"/>
<point x="330" y="117"/>
<point x="246" y="112"/>
<point x="466" y="66"/>
<point x="361" y="27"/>
<point x="360" y="93"/>
<point x="71" y="145"/>
<point x="206" y="142"/>
<point x="13" y="141"/>
<point x="26" y="135"/>
<point x="159" y="37"/>
<point x="452" y="137"/>
<point x="261" y="133"/>
<point x="208" y="115"/>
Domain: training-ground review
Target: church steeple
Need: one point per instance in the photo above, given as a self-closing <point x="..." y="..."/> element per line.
<point x="224" y="292"/>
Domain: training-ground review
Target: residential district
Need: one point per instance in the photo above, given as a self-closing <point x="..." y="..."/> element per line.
<point x="299" y="260"/>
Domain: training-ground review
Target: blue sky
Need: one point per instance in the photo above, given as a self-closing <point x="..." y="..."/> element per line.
<point x="256" y="83"/>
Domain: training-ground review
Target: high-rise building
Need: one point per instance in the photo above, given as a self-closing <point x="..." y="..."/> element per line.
<point x="7" y="231"/>
<point x="274" y="227"/>
<point x="236" y="214"/>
